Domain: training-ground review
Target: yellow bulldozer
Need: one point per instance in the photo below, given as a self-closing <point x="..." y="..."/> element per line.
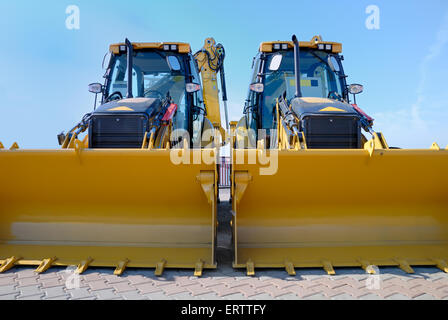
<point x="135" y="181"/>
<point x="314" y="185"/>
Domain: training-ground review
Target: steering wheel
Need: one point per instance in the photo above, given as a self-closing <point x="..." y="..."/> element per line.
<point x="334" y="95"/>
<point x="152" y="92"/>
<point x="116" y="93"/>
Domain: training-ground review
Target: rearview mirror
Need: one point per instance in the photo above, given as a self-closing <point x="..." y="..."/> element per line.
<point x="355" y="88"/>
<point x="275" y="62"/>
<point x="173" y="63"/>
<point x="95" y="88"/>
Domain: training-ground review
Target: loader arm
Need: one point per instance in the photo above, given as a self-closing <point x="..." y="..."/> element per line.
<point x="210" y="60"/>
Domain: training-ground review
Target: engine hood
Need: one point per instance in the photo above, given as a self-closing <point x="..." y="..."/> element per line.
<point x="133" y="105"/>
<point x="321" y="106"/>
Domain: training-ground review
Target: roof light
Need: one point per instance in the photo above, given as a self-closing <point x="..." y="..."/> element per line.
<point x="166" y="47"/>
<point x="122" y="48"/>
<point x="174" y="47"/>
<point x="276" y="46"/>
<point x="257" y="87"/>
<point x="284" y="46"/>
<point x="321" y="46"/>
<point x="192" y="87"/>
<point x="328" y="47"/>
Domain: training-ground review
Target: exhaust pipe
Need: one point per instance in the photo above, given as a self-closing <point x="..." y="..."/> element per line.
<point x="297" y="66"/>
<point x="130" y="64"/>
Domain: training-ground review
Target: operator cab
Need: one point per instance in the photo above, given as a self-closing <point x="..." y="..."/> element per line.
<point x="324" y="101"/>
<point x="160" y="72"/>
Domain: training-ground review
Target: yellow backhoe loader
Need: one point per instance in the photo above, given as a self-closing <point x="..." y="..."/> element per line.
<point x="135" y="183"/>
<point x="315" y="186"/>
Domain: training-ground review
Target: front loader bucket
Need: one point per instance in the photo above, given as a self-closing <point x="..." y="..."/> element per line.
<point x="325" y="208"/>
<point x="115" y="208"/>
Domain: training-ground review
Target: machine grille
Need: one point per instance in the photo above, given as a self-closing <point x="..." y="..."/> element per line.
<point x="117" y="131"/>
<point x="327" y="132"/>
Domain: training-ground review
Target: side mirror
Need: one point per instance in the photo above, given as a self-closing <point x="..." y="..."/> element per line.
<point x="275" y="62"/>
<point x="192" y="87"/>
<point x="355" y="88"/>
<point x="257" y="87"/>
<point x="61" y="138"/>
<point x="173" y="63"/>
<point x="95" y="88"/>
<point x="333" y="63"/>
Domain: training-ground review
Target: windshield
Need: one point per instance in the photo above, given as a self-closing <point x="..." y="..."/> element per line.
<point x="151" y="76"/>
<point x="316" y="80"/>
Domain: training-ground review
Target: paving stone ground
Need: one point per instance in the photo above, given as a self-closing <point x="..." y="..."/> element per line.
<point x="226" y="283"/>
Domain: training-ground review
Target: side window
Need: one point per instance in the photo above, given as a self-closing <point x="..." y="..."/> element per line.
<point x="198" y="99"/>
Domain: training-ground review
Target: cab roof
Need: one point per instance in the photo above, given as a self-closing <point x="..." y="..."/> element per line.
<point x="313" y="43"/>
<point x="181" y="47"/>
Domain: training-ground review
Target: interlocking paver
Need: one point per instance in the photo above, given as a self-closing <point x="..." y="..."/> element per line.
<point x="147" y="288"/>
<point x="9" y="296"/>
<point x="197" y="289"/>
<point x="29" y="290"/>
<point x="122" y="287"/>
<point x="342" y="296"/>
<point x="208" y="296"/>
<point x="235" y="296"/>
<point x="100" y="283"/>
<point x="4" y="290"/>
<point x="24" y="282"/>
<point x="32" y="297"/>
<point x="158" y="296"/>
<point x="173" y="289"/>
<point x="26" y="273"/>
<point x="114" y="279"/>
<point x="7" y="281"/>
<point x="316" y="296"/>
<point x="106" y="294"/>
<point x="132" y="295"/>
<point x="52" y="282"/>
<point x="137" y="279"/>
<point x="54" y="292"/>
<point x="63" y="297"/>
<point x="182" y="296"/>
<point x="79" y="293"/>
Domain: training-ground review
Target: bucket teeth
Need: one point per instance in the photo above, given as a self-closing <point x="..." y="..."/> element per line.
<point x="45" y="265"/>
<point x="250" y="268"/>
<point x="442" y="265"/>
<point x="328" y="267"/>
<point x="198" y="268"/>
<point x="368" y="267"/>
<point x="8" y="264"/>
<point x="404" y="265"/>
<point x="160" y="266"/>
<point x="121" y="267"/>
<point x="289" y="266"/>
<point x="83" y="265"/>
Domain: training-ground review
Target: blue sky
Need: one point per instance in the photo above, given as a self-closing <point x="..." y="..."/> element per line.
<point x="45" y="68"/>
